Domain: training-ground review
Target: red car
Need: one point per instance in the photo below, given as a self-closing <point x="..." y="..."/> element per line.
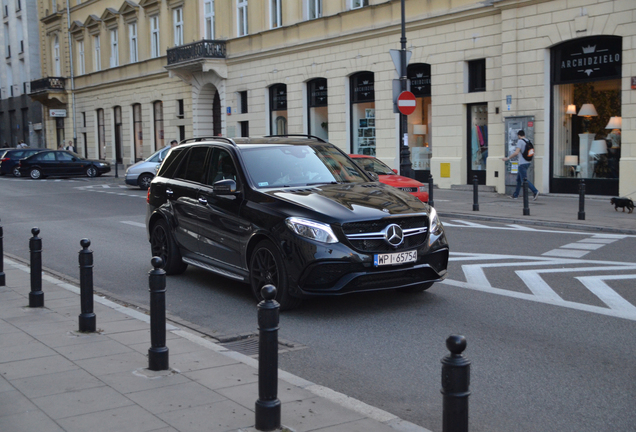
<point x="390" y="176"/>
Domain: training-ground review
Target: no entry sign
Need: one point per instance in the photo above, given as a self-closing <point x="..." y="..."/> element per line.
<point x="406" y="103"/>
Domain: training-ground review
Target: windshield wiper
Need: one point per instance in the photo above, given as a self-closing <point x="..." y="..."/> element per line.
<point x="323" y="182"/>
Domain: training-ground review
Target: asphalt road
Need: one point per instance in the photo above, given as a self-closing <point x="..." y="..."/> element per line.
<point x="548" y="314"/>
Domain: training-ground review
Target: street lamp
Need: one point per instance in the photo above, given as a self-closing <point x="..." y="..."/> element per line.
<point x="405" y="154"/>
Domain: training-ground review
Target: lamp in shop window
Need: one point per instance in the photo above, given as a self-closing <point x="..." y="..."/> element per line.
<point x="598" y="148"/>
<point x="614" y="137"/>
<point x="571" y="161"/>
<point x="587" y="112"/>
<point x="420" y="131"/>
<point x="571" y="109"/>
<point x="615" y="123"/>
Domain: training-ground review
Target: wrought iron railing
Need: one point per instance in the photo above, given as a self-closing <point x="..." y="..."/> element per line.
<point x="49" y="83"/>
<point x="197" y="50"/>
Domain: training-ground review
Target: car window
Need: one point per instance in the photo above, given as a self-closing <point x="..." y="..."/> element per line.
<point x="299" y="165"/>
<point x="158" y="155"/>
<point x="170" y="165"/>
<point x="193" y="166"/>
<point x="44" y="157"/>
<point x="374" y="165"/>
<point x="17" y="154"/>
<point x="63" y="156"/>
<point x="221" y="167"/>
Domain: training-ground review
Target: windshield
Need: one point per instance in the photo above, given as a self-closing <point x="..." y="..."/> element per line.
<point x="295" y="165"/>
<point x="374" y="165"/>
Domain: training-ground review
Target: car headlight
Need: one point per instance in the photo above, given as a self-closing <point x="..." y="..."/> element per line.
<point x="101" y="165"/>
<point x="422" y="188"/>
<point x="311" y="229"/>
<point x="435" y="225"/>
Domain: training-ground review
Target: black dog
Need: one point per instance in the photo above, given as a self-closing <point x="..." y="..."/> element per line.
<point x="623" y="202"/>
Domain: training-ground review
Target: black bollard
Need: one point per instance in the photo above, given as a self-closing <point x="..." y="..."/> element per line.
<point x="430" y="191"/>
<point x="268" y="406"/>
<point x="526" y="205"/>
<point x="87" y="317"/>
<point x="475" y="194"/>
<point x="582" y="200"/>
<point x="158" y="351"/>
<point x="455" y="383"/>
<point x="3" y="281"/>
<point x="36" y="296"/>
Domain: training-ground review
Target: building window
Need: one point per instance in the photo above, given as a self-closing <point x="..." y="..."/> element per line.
<point x="23" y="76"/>
<point x="114" y="48"/>
<point x="420" y="124"/>
<point x="278" y="109"/>
<point x="158" y="123"/>
<point x="242" y="102"/>
<point x="20" y="33"/>
<point x="208" y="10"/>
<point x="362" y="86"/>
<point x="7" y="43"/>
<point x="119" y="135"/>
<point x="477" y="75"/>
<point x="177" y="16"/>
<point x="154" y="37"/>
<point x="180" y="111"/>
<point x="357" y="4"/>
<point x="245" y="128"/>
<point x="56" y="57"/>
<point x="18" y="5"/>
<point x="81" y="65"/>
<point x="101" y="133"/>
<point x="314" y="9"/>
<point x="132" y="42"/>
<point x="318" y="117"/>
<point x="241" y="6"/>
<point x="138" y="149"/>
<point x="97" y="54"/>
<point x="181" y="133"/>
<point x="275" y="14"/>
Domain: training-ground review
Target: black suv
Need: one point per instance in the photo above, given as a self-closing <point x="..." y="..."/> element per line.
<point x="292" y="211"/>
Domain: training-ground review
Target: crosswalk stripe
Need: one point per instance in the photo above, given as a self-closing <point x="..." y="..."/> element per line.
<point x="606" y="294"/>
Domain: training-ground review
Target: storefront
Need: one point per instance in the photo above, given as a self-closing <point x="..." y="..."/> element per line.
<point x="420" y="122"/>
<point x="363" y="113"/>
<point x="585" y="138"/>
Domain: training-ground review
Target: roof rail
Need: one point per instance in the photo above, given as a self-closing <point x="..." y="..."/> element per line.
<point x="205" y="138"/>
<point x="296" y="135"/>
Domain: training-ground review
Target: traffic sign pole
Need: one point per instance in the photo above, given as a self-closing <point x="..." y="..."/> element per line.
<point x="405" y="154"/>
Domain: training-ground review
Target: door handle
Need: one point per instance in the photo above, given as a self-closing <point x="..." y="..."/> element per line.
<point x="203" y="201"/>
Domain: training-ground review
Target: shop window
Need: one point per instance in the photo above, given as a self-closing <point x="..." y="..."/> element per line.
<point x="477" y="75"/>
<point x="278" y="109"/>
<point x="420" y="122"/>
<point x="138" y="149"/>
<point x="318" y="118"/>
<point x="362" y="87"/>
<point x="158" y="123"/>
<point x="101" y="134"/>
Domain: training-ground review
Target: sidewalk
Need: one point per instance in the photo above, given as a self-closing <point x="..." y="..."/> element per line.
<point x="54" y="378"/>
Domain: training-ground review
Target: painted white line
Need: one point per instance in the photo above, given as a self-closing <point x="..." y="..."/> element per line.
<point x="522" y="228"/>
<point x="581" y="245"/>
<point x="568" y="253"/>
<point x="598" y="240"/>
<point x="475" y="275"/>
<point x="606" y="294"/>
<point x="537" y="285"/>
<point x="137" y="224"/>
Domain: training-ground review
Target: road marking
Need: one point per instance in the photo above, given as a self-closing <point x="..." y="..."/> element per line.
<point x="513" y="227"/>
<point x="137" y="224"/>
<point x="581" y="245"/>
<point x="606" y="294"/>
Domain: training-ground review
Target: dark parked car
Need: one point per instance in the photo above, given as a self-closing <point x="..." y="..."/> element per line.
<point x="9" y="159"/>
<point x="61" y="163"/>
<point x="294" y="212"/>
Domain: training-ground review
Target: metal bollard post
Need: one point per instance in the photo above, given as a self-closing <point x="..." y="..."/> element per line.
<point x="430" y="190"/>
<point x="455" y="383"/>
<point x="475" y="194"/>
<point x="526" y="205"/>
<point x="87" y="317"/>
<point x="158" y="352"/>
<point x="36" y="296"/>
<point x="268" y="406"/>
<point x="3" y="281"/>
<point x="582" y="200"/>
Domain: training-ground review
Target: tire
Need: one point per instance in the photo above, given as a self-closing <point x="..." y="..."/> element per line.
<point x="416" y="288"/>
<point x="163" y="245"/>
<point x="91" y="171"/>
<point x="267" y="267"/>
<point x="16" y="172"/>
<point x="144" y="181"/>
<point x="35" y="174"/>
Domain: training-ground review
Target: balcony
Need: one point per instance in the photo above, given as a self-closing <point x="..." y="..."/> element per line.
<point x="201" y="56"/>
<point x="50" y="91"/>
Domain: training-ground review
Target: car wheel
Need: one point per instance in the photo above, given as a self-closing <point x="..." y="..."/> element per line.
<point x="416" y="288"/>
<point x="163" y="245"/>
<point x="144" y="181"/>
<point x="35" y="173"/>
<point x="267" y="267"/>
<point x="16" y="172"/>
<point x="91" y="171"/>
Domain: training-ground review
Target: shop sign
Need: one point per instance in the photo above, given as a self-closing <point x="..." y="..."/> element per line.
<point x="420" y="76"/>
<point x="57" y="113"/>
<point x="364" y="88"/>
<point x="587" y="59"/>
<point x="318" y="93"/>
<point x="279" y="97"/>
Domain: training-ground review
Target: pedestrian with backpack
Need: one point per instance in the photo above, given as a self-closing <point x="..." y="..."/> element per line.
<point x="525" y="151"/>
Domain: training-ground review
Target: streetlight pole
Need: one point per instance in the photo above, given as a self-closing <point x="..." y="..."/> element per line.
<point x="405" y="154"/>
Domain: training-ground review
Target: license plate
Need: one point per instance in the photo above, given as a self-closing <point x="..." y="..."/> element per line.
<point x="394" y="258"/>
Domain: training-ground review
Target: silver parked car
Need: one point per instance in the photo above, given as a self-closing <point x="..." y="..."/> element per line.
<point x="142" y="173"/>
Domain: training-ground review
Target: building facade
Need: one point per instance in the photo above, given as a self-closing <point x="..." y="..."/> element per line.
<point x="480" y="71"/>
<point x="20" y="116"/>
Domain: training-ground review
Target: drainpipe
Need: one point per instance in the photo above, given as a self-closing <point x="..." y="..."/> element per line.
<point x="70" y="55"/>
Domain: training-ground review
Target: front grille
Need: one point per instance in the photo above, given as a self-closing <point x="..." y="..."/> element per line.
<point x="415" y="229"/>
<point x="386" y="280"/>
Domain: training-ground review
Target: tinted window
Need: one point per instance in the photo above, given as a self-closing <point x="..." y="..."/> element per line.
<point x="170" y="165"/>
<point x="17" y="154"/>
<point x="221" y="167"/>
<point x="66" y="157"/>
<point x="48" y="156"/>
<point x="193" y="167"/>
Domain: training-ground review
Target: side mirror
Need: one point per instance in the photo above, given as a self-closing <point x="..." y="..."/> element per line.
<point x="224" y="187"/>
<point x="373" y="175"/>
<point x="395" y="170"/>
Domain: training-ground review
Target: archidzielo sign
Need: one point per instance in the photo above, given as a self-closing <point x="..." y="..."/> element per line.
<point x="587" y="59"/>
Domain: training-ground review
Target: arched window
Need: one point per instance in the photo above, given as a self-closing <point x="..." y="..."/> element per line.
<point x="362" y="97"/>
<point x="318" y="110"/>
<point x="278" y="109"/>
<point x="420" y="126"/>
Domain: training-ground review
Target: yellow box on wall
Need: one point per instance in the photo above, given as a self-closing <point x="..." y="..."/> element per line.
<point x="444" y="170"/>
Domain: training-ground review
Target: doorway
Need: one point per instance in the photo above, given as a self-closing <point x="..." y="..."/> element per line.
<point x="477" y="145"/>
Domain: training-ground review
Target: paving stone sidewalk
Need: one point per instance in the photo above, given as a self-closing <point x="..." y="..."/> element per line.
<point x="54" y="378"/>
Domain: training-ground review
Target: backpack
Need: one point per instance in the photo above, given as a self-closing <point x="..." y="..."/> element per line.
<point x="528" y="151"/>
